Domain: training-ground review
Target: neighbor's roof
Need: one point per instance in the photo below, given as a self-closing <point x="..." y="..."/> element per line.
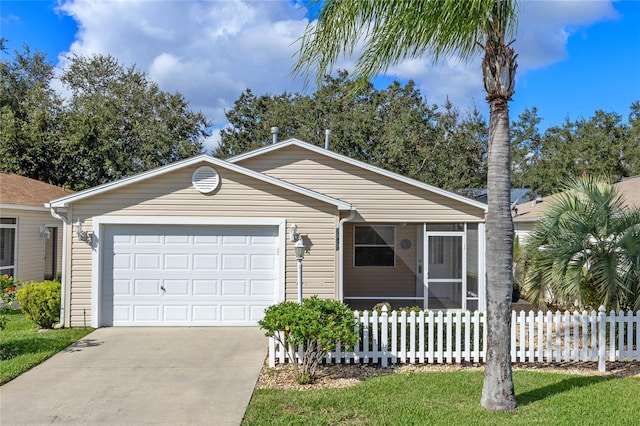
<point x="17" y="191"/>
<point x="628" y="188"/>
<point x="360" y="164"/>
<point x="65" y="201"/>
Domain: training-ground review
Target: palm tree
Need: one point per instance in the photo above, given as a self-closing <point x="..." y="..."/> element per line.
<point x="392" y="31"/>
<point x="585" y="250"/>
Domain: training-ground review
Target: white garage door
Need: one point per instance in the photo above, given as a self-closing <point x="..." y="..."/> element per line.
<point x="159" y="275"/>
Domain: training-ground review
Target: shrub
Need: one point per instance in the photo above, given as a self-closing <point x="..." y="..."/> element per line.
<point x="317" y="326"/>
<point x="40" y="302"/>
<point x="8" y="290"/>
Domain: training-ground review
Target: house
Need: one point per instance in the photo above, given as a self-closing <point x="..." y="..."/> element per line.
<point x="30" y="239"/>
<point x="527" y="214"/>
<point x="205" y="241"/>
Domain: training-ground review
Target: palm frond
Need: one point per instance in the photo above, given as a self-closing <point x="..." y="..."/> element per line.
<point x="389" y="32"/>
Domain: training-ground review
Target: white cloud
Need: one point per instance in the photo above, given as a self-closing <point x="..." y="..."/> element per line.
<point x="210" y="51"/>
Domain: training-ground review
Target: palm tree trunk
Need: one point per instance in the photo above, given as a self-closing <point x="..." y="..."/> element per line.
<point x="499" y="66"/>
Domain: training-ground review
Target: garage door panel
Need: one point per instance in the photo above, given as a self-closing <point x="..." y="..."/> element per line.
<point x="233" y="287"/>
<point x="262" y="288"/>
<point x="147" y="239"/>
<point x="205" y="287"/>
<point x="177" y="262"/>
<point x="121" y="287"/>
<point x="235" y="262"/>
<point x="176" y="313"/>
<point x="177" y="287"/>
<point x="150" y="261"/>
<point x="189" y="275"/>
<point x="146" y="313"/>
<point x="179" y="240"/>
<point x="205" y="313"/>
<point x="205" y="262"/>
<point x="263" y="262"/>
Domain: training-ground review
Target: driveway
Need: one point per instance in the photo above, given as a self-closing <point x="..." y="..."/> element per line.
<point x="137" y="376"/>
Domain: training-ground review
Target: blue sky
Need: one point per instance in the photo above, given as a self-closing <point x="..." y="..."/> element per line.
<point x="575" y="56"/>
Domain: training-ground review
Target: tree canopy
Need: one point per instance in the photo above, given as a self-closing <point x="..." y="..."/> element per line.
<point x="114" y="122"/>
<point x="394" y="128"/>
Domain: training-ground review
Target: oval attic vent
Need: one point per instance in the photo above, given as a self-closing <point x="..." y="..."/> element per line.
<point x="205" y="179"/>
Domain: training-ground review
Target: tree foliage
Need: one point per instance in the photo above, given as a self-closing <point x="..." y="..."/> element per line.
<point x="394" y="128"/>
<point x="585" y="250"/>
<point x="600" y="145"/>
<point x="114" y="123"/>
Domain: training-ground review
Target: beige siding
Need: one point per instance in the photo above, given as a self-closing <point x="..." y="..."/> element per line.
<point x="30" y="264"/>
<point x="238" y="196"/>
<point x="377" y="198"/>
<point x="523" y="230"/>
<point x="396" y="281"/>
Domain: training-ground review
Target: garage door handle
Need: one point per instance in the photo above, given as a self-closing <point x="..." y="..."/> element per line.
<point x="164" y="290"/>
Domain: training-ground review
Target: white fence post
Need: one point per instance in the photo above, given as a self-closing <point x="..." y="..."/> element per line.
<point x="384" y="336"/>
<point x="602" y="340"/>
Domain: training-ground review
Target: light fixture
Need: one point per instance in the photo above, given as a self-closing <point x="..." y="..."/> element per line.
<point x="299" y="250"/>
<point x="293" y="233"/>
<point x="44" y="232"/>
<point x="82" y="235"/>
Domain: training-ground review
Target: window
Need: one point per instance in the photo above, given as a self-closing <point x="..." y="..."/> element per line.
<point x="374" y="246"/>
<point x="8" y="232"/>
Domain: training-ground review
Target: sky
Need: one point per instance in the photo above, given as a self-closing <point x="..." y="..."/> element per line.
<point x="574" y="56"/>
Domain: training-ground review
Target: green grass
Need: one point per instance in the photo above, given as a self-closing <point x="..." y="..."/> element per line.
<point x="22" y="346"/>
<point x="453" y="398"/>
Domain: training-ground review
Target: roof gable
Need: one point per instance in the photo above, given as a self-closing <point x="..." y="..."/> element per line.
<point x="18" y="190"/>
<point x="65" y="201"/>
<point x="359" y="164"/>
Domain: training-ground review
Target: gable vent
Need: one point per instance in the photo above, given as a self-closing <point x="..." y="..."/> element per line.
<point x="205" y="179"/>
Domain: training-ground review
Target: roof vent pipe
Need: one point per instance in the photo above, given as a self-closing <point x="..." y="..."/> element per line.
<point x="326" y="138"/>
<point x="274" y="132"/>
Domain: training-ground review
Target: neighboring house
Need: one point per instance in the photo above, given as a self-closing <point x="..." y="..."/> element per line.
<point x="209" y="242"/>
<point x="527" y="214"/>
<point x="30" y="238"/>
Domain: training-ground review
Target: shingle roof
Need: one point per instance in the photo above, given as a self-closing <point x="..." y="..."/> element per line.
<point x="531" y="211"/>
<point x="24" y="191"/>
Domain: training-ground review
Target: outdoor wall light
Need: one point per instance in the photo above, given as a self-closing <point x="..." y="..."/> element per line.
<point x="44" y="232"/>
<point x="82" y="234"/>
<point x="293" y="233"/>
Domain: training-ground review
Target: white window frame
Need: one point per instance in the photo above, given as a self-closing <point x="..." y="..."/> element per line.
<point x="14" y="266"/>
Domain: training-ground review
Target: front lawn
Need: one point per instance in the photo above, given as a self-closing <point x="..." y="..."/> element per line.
<point x="446" y="398"/>
<point x="23" y="346"/>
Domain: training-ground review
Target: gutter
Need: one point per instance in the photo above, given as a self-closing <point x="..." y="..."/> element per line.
<point x="63" y="277"/>
<point x="352" y="214"/>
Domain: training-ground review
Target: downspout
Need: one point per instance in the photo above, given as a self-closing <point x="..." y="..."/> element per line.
<point x="352" y="214"/>
<point x="63" y="274"/>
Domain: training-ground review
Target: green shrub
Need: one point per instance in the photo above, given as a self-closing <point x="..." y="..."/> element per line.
<point x="318" y="326"/>
<point x="41" y="302"/>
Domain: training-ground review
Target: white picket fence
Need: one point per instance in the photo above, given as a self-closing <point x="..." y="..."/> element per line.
<point x="457" y="337"/>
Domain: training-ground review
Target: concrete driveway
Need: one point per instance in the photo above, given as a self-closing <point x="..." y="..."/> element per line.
<point x="137" y="376"/>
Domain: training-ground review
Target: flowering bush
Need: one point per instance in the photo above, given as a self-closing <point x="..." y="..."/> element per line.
<point x="8" y="289"/>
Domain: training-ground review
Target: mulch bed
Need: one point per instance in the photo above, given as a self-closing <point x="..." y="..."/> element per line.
<point x="343" y="375"/>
